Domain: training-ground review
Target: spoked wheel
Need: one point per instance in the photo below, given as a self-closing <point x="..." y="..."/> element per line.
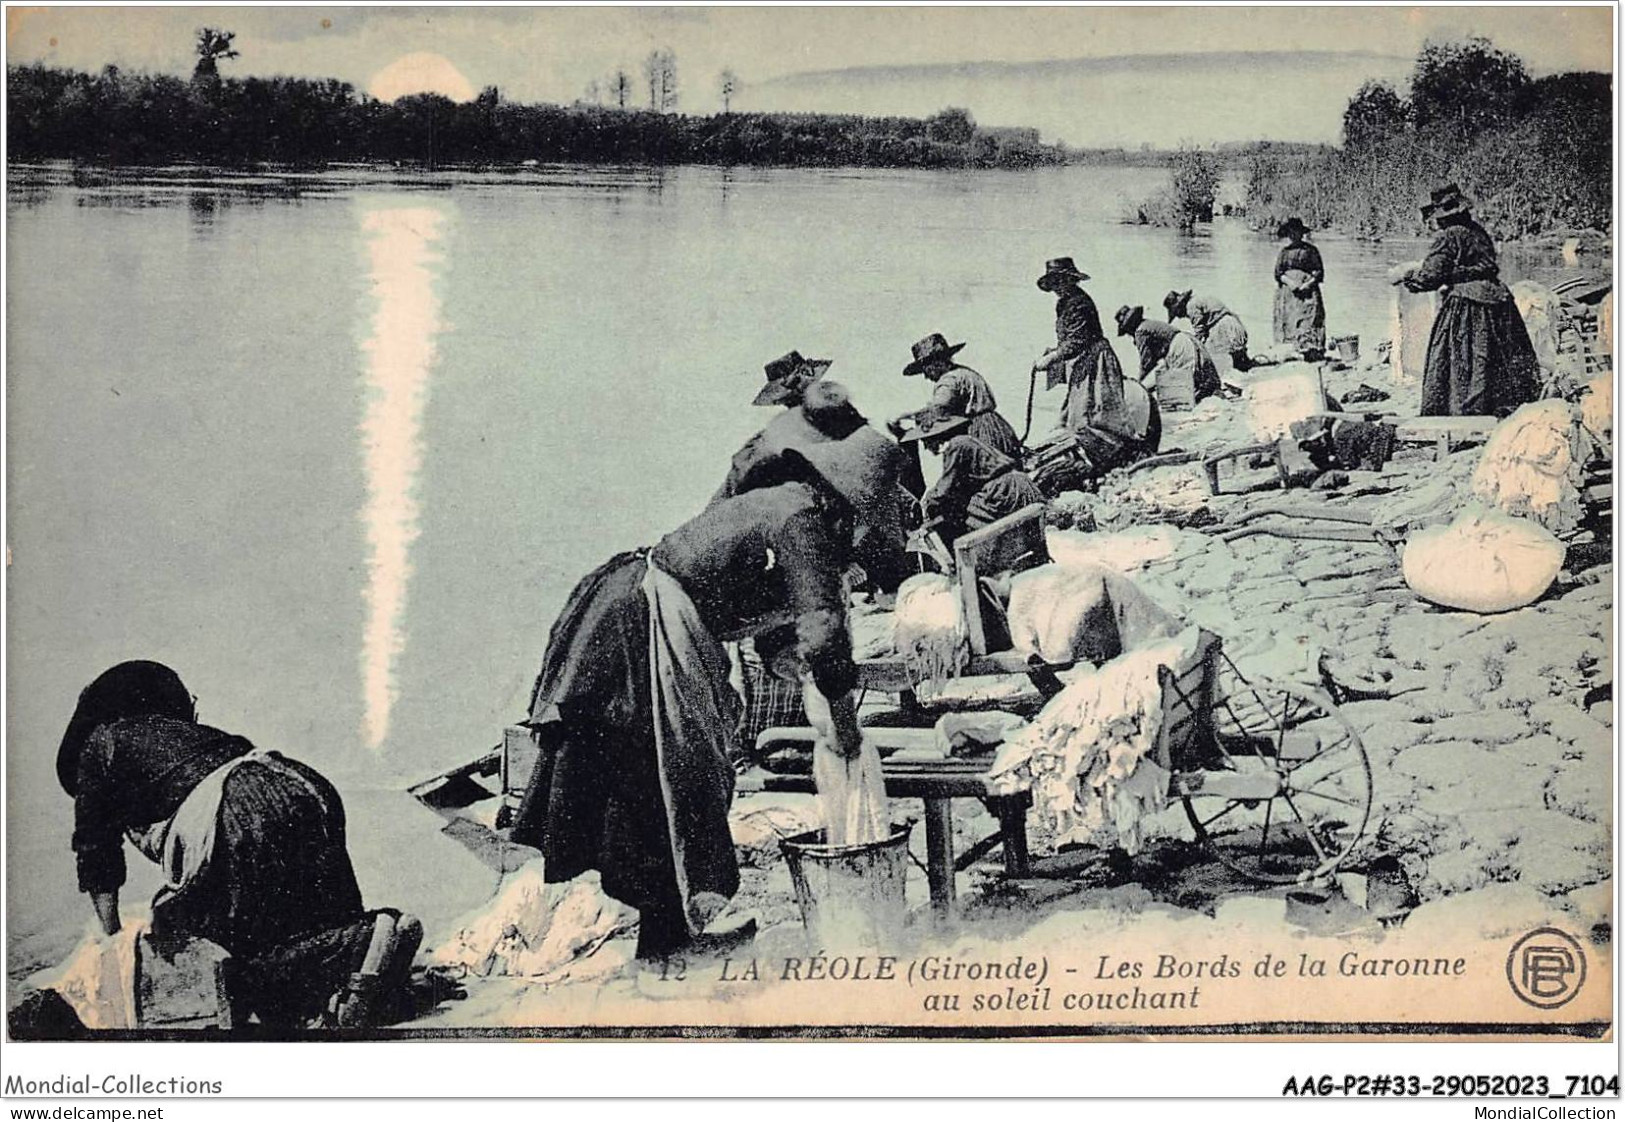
<point x="1287" y="793"/>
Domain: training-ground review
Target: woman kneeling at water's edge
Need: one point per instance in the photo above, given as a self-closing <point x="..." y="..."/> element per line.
<point x="633" y="707"/>
<point x="252" y="845"/>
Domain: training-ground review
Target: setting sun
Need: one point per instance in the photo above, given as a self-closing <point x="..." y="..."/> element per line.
<point x="422" y="72"/>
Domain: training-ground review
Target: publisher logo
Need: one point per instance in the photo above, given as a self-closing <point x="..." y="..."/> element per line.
<point x="1546" y="968"/>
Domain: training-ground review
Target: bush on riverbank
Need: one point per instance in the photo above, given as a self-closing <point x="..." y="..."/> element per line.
<point x="115" y="117"/>
<point x="1193" y="185"/>
<point x="1535" y="154"/>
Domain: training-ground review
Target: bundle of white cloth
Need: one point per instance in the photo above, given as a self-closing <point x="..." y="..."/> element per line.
<point x="928" y="628"/>
<point x="1089" y="756"/>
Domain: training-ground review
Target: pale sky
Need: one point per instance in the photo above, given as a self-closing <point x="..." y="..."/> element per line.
<point x="907" y="57"/>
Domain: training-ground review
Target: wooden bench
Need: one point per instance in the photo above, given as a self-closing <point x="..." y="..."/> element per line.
<point x="914" y="769"/>
<point x="1211" y="464"/>
<point x="1446" y="434"/>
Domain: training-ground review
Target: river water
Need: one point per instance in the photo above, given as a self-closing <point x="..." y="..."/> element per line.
<point x="337" y="446"/>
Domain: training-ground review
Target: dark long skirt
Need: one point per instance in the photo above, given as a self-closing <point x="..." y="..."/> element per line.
<point x="594" y="800"/>
<point x="1300" y="320"/>
<point x="1480" y="360"/>
<point x="278" y="891"/>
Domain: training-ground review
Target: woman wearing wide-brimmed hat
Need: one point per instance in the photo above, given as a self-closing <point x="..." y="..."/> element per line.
<point x="251" y="845"/>
<point x="1077" y="321"/>
<point x="1215" y="326"/>
<point x="957" y="388"/>
<point x="1173" y="364"/>
<point x="1300" y="311"/>
<point x="1480" y="361"/>
<point x="979" y="484"/>
<point x="633" y="707"/>
<point x="824" y="412"/>
<point x="788" y="377"/>
<point x="1106" y="420"/>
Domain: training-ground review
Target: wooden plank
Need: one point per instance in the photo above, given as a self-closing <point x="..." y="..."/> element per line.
<point x="520" y="752"/>
<point x="939" y="854"/>
<point x="885" y="738"/>
<point x="485" y="765"/>
<point x="978" y="851"/>
<point x="1427" y="428"/>
<point x="1016" y="541"/>
<point x="888" y="675"/>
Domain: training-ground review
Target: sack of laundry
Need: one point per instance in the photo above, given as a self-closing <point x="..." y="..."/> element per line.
<point x="1484" y="561"/>
<point x="1089" y="612"/>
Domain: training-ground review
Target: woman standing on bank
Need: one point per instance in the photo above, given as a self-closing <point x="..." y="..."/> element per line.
<point x="1300" y="312"/>
<point x="1480" y="359"/>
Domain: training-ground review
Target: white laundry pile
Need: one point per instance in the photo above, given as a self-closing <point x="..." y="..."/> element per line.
<point x="1484" y="561"/>
<point x="1089" y="756"/>
<point x="98" y="978"/>
<point x="1064" y="613"/>
<point x="1531" y="466"/>
<point x="1542" y="314"/>
<point x="928" y="628"/>
<point x="871" y="632"/>
<point x="534" y="929"/>
<point x="1412" y="315"/>
<point x="1156" y="493"/>
<point x="1279" y="398"/>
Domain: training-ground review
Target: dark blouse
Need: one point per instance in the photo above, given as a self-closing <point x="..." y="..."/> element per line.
<point x="1077" y="323"/>
<point x="1463" y="258"/>
<point x="963" y="391"/>
<point x="968" y="465"/>
<point x="766" y="558"/>
<point x="1152" y="339"/>
<point x="1303" y="257"/>
<point x="133" y="773"/>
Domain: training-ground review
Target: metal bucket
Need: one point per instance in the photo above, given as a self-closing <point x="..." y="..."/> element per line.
<point x="1347" y="348"/>
<point x="850" y="895"/>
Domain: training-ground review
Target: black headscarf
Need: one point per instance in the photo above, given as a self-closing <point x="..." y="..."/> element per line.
<point x="130" y="689"/>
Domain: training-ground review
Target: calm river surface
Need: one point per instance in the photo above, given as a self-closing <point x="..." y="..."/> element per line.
<point x="337" y="446"/>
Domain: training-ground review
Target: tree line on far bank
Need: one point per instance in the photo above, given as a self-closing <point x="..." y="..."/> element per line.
<point x="116" y="117"/>
<point x="1535" y="154"/>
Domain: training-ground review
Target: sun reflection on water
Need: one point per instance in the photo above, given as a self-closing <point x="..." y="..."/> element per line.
<point x="402" y="248"/>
